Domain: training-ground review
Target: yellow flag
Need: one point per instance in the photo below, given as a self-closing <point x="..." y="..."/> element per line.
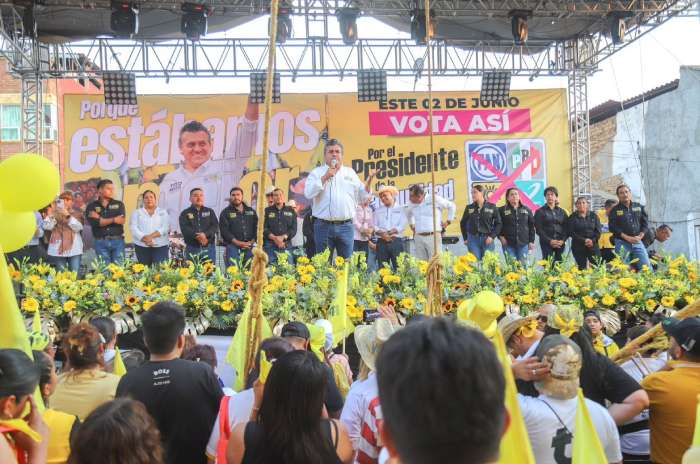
<point x="587" y="448"/>
<point x="36" y="322"/>
<point x="341" y="322"/>
<point x="235" y="356"/>
<point x="265" y="367"/>
<point x="515" y="444"/>
<point x="692" y="456"/>
<point x="13" y="333"/>
<point x="119" y="367"/>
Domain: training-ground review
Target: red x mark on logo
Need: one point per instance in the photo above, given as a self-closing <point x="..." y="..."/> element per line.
<point x="507" y="182"/>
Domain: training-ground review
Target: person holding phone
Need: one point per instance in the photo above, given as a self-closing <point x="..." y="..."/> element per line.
<point x="66" y="243"/>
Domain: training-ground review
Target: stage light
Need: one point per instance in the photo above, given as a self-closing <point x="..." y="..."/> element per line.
<point x="124" y="21"/>
<point x="284" y="23"/>
<point x="194" y="20"/>
<point x="495" y="86"/>
<point x="518" y="26"/>
<point x="418" y="26"/>
<point x="347" y="20"/>
<point x="618" y="29"/>
<point x="29" y="21"/>
<point x="257" y="87"/>
<point x="371" y="85"/>
<point x="119" y="88"/>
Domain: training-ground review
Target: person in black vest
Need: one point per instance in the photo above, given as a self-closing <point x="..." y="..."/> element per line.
<point x="628" y="223"/>
<point x="584" y="229"/>
<point x="480" y="224"/>
<point x="308" y="231"/>
<point x="550" y="224"/>
<point x="199" y="225"/>
<point x="238" y="224"/>
<point x="107" y="216"/>
<point x="518" y="227"/>
<point x="280" y="226"/>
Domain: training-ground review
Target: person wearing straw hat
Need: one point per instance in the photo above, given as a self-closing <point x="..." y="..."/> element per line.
<point x="522" y="337"/>
<point x="390" y="221"/>
<point x="368" y="338"/>
<point x="550" y="418"/>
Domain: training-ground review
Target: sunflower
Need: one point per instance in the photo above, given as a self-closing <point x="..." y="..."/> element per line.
<point x="668" y="301"/>
<point x="69" y="306"/>
<point x="237" y="285"/>
<point x="30" y="305"/>
<point x="116" y="307"/>
<point x="131" y="300"/>
<point x="208" y="268"/>
<point x="227" y="305"/>
<point x="390" y="301"/>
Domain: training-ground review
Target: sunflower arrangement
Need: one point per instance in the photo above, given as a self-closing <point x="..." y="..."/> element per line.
<point x="305" y="289"/>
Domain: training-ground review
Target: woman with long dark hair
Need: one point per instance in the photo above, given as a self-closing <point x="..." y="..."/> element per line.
<point x="21" y="441"/>
<point x="518" y="229"/>
<point x="601" y="379"/>
<point x="289" y="427"/>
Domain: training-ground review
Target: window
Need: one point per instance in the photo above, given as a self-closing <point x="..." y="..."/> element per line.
<point x="10" y="123"/>
<point x="50" y="123"/>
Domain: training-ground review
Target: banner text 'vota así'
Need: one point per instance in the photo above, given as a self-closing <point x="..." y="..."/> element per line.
<point x="156" y="143"/>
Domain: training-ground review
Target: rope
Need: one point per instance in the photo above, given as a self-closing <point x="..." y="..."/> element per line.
<point x="258" y="274"/>
<point x="434" y="275"/>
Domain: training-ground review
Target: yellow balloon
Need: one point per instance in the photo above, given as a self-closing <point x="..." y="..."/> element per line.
<point x="28" y="182"/>
<point x="16" y="229"/>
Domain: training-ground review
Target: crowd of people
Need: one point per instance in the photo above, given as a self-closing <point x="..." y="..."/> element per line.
<point x="423" y="390"/>
<point x="344" y="216"/>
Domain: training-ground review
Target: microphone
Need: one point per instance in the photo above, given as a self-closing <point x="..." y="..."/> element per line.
<point x="334" y="163"/>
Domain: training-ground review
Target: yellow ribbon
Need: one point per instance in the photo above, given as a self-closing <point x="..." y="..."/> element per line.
<point x="566" y="328"/>
<point x="21" y="426"/>
<point x="599" y="345"/>
<point x="528" y="330"/>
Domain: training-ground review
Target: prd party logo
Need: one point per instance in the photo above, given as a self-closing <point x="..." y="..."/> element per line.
<point x="494" y="154"/>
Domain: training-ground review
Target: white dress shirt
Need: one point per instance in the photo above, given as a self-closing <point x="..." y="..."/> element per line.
<point x="388" y="218"/>
<point x="337" y="199"/>
<point x="54" y="248"/>
<point x="215" y="177"/>
<point x="39" y="232"/>
<point x="141" y="224"/>
<point x="421" y="215"/>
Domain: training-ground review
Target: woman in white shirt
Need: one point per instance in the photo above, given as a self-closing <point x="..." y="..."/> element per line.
<point x="149" y="227"/>
<point x="65" y="243"/>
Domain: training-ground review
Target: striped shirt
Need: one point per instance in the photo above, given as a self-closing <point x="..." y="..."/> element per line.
<point x="369" y="444"/>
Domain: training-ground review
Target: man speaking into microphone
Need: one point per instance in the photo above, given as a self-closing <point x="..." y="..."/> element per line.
<point x="335" y="190"/>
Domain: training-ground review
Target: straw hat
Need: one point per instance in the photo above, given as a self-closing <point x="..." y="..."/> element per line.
<point x="511" y="323"/>
<point x="388" y="188"/>
<point x="369" y="338"/>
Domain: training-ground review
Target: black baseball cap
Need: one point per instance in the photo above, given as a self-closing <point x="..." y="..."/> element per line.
<point x="295" y="329"/>
<point x="686" y="332"/>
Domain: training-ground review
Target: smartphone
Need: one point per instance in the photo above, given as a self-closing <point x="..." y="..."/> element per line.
<point x="370" y="315"/>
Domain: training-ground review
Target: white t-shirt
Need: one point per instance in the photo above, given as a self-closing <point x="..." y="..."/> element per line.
<point x="360" y="394"/>
<point x="547" y="434"/>
<point x="637" y="443"/>
<point x="239" y="408"/>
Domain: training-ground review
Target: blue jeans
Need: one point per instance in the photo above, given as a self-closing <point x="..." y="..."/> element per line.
<point x="633" y="251"/>
<point x="517" y="252"/>
<point x="234" y="255"/>
<point x="207" y="253"/>
<point x="272" y="250"/>
<point x="70" y="262"/>
<point x="110" y="251"/>
<point x="151" y="255"/>
<point x="476" y="244"/>
<point x="338" y="237"/>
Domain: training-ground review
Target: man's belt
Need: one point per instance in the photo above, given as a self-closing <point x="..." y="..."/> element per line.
<point x="426" y="234"/>
<point x="110" y="237"/>
<point x="335" y="223"/>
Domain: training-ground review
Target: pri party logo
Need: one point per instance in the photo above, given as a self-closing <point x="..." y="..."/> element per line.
<point x="502" y="164"/>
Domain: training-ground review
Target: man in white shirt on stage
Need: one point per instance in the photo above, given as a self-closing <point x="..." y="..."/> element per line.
<point x="335" y="190"/>
<point x="419" y="212"/>
<point x="389" y="224"/>
<point x="199" y="170"/>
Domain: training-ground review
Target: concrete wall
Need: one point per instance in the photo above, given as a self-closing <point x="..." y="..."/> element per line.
<point x="654" y="147"/>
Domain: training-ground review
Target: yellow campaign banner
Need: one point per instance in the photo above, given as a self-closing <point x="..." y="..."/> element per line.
<point x="518" y="143"/>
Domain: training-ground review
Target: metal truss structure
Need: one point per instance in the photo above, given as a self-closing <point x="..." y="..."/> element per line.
<point x="165" y="57"/>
